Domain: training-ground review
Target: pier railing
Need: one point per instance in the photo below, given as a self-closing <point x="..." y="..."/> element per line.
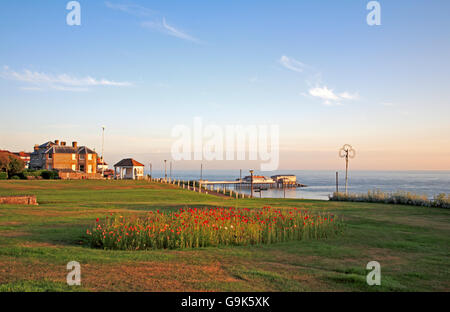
<point x="202" y="187"/>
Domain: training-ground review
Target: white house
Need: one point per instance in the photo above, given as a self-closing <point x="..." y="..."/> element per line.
<point x="129" y="169"/>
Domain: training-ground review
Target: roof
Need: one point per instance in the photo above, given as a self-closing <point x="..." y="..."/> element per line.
<point x="47" y="144"/>
<point x="128" y="162"/>
<point x="85" y="150"/>
<point x="284" y="175"/>
<point x="22" y="154"/>
<point x="58" y="149"/>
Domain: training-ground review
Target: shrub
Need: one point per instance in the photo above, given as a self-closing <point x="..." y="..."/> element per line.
<point x="48" y="174"/>
<point x="403" y="198"/>
<point x="3" y="176"/>
<point x="15" y="177"/>
<point x="193" y="228"/>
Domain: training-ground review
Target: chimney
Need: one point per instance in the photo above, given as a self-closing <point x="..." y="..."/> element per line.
<point x="74" y="144"/>
<point x="57" y="142"/>
<point x="63" y="143"/>
<point x="36" y="147"/>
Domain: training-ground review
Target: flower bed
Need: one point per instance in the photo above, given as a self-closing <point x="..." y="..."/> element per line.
<point x="192" y="228"/>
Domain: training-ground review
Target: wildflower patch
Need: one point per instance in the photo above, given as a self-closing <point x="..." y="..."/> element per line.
<point x="205" y="227"/>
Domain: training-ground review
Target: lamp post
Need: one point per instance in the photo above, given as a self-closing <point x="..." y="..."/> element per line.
<point x="165" y="170"/>
<point x="151" y="173"/>
<point x="103" y="144"/>
<point x="201" y="172"/>
<point x="251" y="183"/>
<point x="347" y="152"/>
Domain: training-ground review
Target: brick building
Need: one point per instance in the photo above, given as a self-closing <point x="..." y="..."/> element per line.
<point x="67" y="159"/>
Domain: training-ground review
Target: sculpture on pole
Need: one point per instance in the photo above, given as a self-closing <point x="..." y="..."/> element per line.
<point x="347" y="152"/>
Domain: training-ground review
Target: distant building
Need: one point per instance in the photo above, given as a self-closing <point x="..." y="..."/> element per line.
<point x="59" y="156"/>
<point x="288" y="179"/>
<point x="101" y="165"/>
<point x="129" y="169"/>
<point x="257" y="179"/>
<point x="25" y="157"/>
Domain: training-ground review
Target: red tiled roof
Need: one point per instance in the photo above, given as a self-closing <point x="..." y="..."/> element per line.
<point x="128" y="162"/>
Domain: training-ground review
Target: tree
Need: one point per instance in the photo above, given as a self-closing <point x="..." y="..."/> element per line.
<point x="4" y="161"/>
<point x="16" y="166"/>
<point x="11" y="164"/>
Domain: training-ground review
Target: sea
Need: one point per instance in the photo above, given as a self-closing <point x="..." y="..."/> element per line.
<point x="322" y="183"/>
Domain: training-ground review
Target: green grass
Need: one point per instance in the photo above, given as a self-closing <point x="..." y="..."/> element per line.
<point x="36" y="243"/>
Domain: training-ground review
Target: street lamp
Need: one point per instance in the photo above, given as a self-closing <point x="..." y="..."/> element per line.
<point x="165" y="170"/>
<point x="251" y="183"/>
<point x="103" y="143"/>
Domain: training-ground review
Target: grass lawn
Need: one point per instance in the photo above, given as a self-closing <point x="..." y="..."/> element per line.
<point x="412" y="245"/>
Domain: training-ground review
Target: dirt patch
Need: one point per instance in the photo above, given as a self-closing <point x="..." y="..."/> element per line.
<point x="140" y="276"/>
<point x="12" y="233"/>
<point x="37" y="245"/>
<point x="153" y="276"/>
<point x="10" y="223"/>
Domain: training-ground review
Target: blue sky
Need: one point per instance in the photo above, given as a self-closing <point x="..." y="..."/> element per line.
<point x="313" y="67"/>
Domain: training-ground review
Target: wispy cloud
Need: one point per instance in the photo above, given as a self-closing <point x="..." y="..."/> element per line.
<point x="38" y="81"/>
<point x="317" y="89"/>
<point x="329" y="97"/>
<point x="132" y="9"/>
<point x="157" y="21"/>
<point x="164" y="27"/>
<point x="291" y="64"/>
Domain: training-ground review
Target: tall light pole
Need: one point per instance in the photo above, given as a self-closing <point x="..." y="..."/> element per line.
<point x="165" y="170"/>
<point x="347" y="152"/>
<point x="151" y="173"/>
<point x="170" y="171"/>
<point x="103" y="144"/>
<point x="251" y="183"/>
<point x="201" y="172"/>
<point x="240" y="180"/>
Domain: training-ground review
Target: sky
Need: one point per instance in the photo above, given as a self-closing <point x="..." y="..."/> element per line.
<point x="315" y="69"/>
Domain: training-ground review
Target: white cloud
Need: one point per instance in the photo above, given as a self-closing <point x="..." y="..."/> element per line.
<point x="164" y="27"/>
<point x="330" y="97"/>
<point x="132" y="9"/>
<point x="314" y="81"/>
<point x="291" y="64"/>
<point x="323" y="93"/>
<point x="63" y="82"/>
<point x="349" y="96"/>
<point x="157" y="21"/>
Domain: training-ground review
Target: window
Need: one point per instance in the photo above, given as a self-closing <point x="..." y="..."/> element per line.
<point x="74" y="167"/>
<point x="90" y="169"/>
<point x="81" y="157"/>
<point x="73" y="156"/>
<point x="89" y="156"/>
